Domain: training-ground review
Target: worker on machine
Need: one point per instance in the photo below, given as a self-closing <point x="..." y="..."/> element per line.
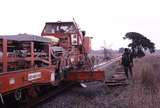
<point x="93" y="60"/>
<point x="127" y="62"/>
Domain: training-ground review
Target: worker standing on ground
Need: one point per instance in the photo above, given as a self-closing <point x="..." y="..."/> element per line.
<point x="127" y="62"/>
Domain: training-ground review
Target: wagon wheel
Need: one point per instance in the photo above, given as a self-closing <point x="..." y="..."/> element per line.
<point x="18" y="95"/>
<point x="32" y="93"/>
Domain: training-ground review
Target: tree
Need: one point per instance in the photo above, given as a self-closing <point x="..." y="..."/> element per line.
<point x="139" y="44"/>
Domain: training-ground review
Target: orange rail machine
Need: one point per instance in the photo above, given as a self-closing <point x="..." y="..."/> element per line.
<point x="28" y="62"/>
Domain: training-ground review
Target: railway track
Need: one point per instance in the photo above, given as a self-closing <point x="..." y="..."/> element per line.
<point x="49" y="93"/>
<point x="105" y="64"/>
<point x="118" y="78"/>
<point x="52" y="93"/>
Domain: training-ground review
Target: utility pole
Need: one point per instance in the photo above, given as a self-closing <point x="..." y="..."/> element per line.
<point x="105" y="51"/>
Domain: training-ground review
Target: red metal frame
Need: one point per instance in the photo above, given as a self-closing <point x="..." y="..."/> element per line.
<point x="11" y="80"/>
<point x="5" y="58"/>
<point x="83" y="41"/>
<point x="32" y="53"/>
<point x="19" y="79"/>
<point x="86" y="76"/>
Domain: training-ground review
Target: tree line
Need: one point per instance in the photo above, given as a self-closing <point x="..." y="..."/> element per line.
<point x="139" y="44"/>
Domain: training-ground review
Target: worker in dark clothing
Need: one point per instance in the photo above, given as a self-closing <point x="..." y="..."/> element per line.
<point x="127" y="62"/>
<point x="93" y="60"/>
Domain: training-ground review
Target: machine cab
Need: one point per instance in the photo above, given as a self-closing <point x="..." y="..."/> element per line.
<point x="53" y="28"/>
<point x="67" y="32"/>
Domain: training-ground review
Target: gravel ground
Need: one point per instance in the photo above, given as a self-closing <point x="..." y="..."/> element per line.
<point x="96" y="95"/>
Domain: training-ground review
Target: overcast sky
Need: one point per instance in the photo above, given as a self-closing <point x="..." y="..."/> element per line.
<point x="107" y="20"/>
